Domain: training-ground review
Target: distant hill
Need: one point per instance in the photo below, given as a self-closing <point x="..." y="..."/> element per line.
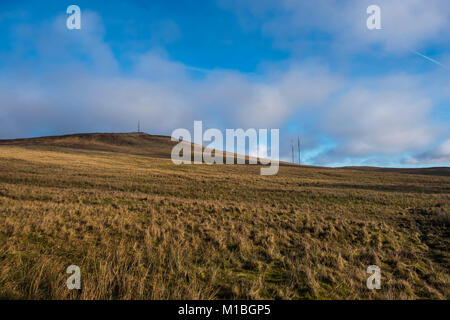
<point x="435" y="171"/>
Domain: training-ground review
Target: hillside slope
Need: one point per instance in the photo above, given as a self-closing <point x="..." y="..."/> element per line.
<point x="160" y="147"/>
<point x="435" y="171"/>
<point x="140" y="227"/>
<point x="131" y="143"/>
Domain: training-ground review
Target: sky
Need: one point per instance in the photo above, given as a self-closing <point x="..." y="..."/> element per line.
<point x="309" y="68"/>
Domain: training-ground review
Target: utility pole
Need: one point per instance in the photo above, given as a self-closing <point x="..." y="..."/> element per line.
<point x="298" y="145"/>
<point x="292" y="150"/>
<point x="139" y="126"/>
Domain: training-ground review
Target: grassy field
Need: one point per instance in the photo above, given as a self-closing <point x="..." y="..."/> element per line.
<point x="140" y="227"/>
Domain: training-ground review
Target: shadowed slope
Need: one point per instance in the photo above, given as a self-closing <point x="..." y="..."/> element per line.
<point x="132" y="143"/>
<point x="434" y="171"/>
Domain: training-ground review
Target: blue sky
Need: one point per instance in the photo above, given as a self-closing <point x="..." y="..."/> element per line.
<point x="355" y="96"/>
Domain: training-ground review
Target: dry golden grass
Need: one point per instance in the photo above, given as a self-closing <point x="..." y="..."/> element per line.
<point x="142" y="228"/>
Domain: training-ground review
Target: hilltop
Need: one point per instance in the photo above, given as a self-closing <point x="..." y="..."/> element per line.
<point x="136" y="143"/>
<point x="131" y="143"/>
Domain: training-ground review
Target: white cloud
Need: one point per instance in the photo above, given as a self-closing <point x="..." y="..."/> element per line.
<point x="385" y="119"/>
<point x="406" y="25"/>
<point x="439" y="155"/>
<point x="251" y="102"/>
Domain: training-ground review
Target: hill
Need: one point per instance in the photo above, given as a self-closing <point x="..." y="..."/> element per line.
<point x="160" y="147"/>
<point x="140" y="227"/>
<point x="137" y="143"/>
<point x="436" y="171"/>
<point x="130" y="143"/>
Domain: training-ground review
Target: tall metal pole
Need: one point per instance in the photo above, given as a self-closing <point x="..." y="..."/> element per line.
<point x="298" y="145"/>
<point x="292" y="150"/>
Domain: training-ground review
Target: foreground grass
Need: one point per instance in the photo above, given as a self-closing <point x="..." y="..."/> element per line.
<point x="143" y="228"/>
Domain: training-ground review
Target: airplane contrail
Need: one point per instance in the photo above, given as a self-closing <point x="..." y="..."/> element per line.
<point x="431" y="59"/>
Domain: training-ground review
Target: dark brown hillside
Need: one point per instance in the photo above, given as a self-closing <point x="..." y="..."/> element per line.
<point x="434" y="171"/>
<point x="132" y="143"/>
